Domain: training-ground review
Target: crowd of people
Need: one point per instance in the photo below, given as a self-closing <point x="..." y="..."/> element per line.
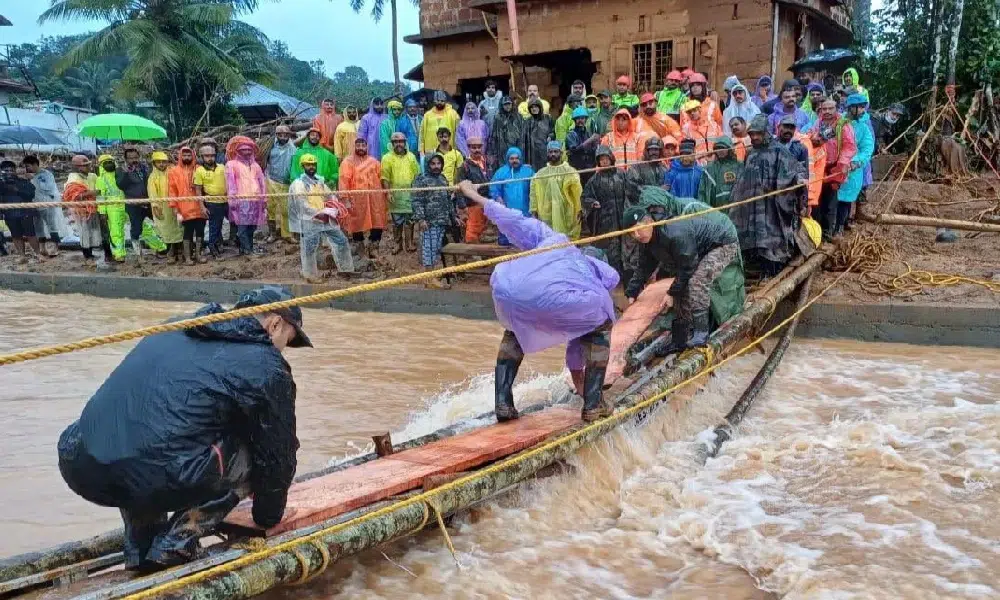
<point x="354" y="175"/>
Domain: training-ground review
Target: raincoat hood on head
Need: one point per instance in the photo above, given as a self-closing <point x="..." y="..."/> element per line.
<point x="580" y="113"/>
<point x="541" y="109"/>
<point x="722" y="142"/>
<point x="856" y="100"/>
<point x="410" y="102"/>
<point x="355" y="109"/>
<point x="624" y="112"/>
<point x="471" y="111"/>
<point x="180" y="155"/>
<point x="391" y="104"/>
<point x="731" y="82"/>
<point x="603" y="150"/>
<point x="740" y="86"/>
<point x="104" y="158"/>
<point x="427" y="160"/>
<point x="652" y="198"/>
<point x="853" y="77"/>
<point x="763" y="80"/>
<point x="236" y="143"/>
<point x="758" y="124"/>
<point x="514" y="151"/>
<point x="815" y="87"/>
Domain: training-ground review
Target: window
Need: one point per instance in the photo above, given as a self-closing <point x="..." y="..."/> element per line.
<point x="650" y="62"/>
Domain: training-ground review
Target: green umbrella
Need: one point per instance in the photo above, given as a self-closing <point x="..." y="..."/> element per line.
<point x="120" y="126"/>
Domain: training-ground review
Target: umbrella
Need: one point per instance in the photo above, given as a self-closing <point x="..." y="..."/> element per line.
<point x="119" y="126"/>
<point x="824" y="58"/>
<point x="24" y="135"/>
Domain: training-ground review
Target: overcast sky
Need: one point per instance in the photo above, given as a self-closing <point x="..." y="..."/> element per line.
<point x="325" y="30"/>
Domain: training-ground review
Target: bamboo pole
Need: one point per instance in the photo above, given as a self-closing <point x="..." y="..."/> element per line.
<point x="933" y="222"/>
<point x="285" y="567"/>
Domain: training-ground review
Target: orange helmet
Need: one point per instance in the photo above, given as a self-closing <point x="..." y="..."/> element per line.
<point x="675" y="75"/>
<point x="697" y="78"/>
<point x="687" y="73"/>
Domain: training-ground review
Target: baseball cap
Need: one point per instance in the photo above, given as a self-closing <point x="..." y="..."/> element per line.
<point x="292" y="315"/>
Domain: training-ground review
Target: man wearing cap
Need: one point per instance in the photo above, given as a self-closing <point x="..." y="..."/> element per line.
<point x="671" y="98"/>
<point x="885" y="125"/>
<point x="278" y="173"/>
<point x="532" y="95"/>
<point x="581" y="144"/>
<point x="319" y="214"/>
<point x="767" y="226"/>
<point x="605" y="112"/>
<point x="190" y="423"/>
<point x="624" y="98"/>
<point x="684" y="177"/>
<point x="801" y="149"/>
<point x="720" y="174"/>
<point x="556" y="193"/>
<point x="653" y="123"/>
<point x="113" y="216"/>
<point x="440" y="115"/>
<point x="474" y="169"/>
<point x="651" y="171"/>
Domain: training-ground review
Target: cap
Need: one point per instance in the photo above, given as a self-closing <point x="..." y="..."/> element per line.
<point x="633" y="215"/>
<point x="79" y="160"/>
<point x="647" y="97"/>
<point x="574" y="98"/>
<point x="691" y="105"/>
<point x="669" y="140"/>
<point x="553" y="145"/>
<point x="604" y="93"/>
<point x="675" y="75"/>
<point x="308" y="159"/>
<point x="580" y="113"/>
<point x="788" y="120"/>
<point x="291" y="315"/>
<point x="856" y="100"/>
<point x="654" y="142"/>
<point x="688" y="144"/>
<point x="158" y="155"/>
<point x="283" y="129"/>
<point x="758" y="124"/>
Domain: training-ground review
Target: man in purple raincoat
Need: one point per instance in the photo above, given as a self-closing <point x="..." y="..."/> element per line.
<point x="547" y="299"/>
<point x="370" y="128"/>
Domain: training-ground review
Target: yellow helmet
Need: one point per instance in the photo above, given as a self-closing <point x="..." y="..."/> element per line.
<point x="814" y="230"/>
<point x="159" y="155"/>
<point x="308" y="159"/>
<point x="691" y="105"/>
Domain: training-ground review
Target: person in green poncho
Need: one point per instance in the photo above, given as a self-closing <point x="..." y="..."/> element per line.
<point x="565" y="121"/>
<point x="605" y="112"/>
<point x="327" y="166"/>
<point x="113" y="216"/>
<point x="720" y="175"/>
<point x="671" y="98"/>
<point x="399" y="169"/>
<point x="625" y="98"/>
<point x="702" y="254"/>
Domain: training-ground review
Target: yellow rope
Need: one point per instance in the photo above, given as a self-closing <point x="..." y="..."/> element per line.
<point x="444" y="531"/>
<point x="113" y="338"/>
<point x="263" y="197"/>
<point x="426" y="497"/>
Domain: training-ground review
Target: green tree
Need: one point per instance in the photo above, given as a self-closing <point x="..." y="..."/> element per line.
<point x="91" y="85"/>
<point x="183" y="54"/>
<point x="378" y="10"/>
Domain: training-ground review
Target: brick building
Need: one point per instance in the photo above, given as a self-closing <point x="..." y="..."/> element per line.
<point x="467" y="41"/>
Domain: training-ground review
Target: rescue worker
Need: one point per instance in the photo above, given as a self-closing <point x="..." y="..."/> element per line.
<point x="190" y="423"/>
<point x="694" y="251"/>
<point x="543" y="300"/>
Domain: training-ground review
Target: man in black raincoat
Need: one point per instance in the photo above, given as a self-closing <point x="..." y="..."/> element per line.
<point x="767" y="226"/>
<point x="190" y="423"/>
<point x="539" y="130"/>
<point x="604" y="201"/>
<point x="647" y="173"/>
<point x="505" y="133"/>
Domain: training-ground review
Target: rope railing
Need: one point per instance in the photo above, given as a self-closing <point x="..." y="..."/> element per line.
<point x="263" y="197"/>
<point x="93" y="342"/>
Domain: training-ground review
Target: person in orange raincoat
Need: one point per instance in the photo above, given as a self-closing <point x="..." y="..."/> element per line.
<point x="367" y="211"/>
<point x="326" y="122"/>
<point x="701" y="129"/>
<point x="651" y="122"/>
<point x="699" y="91"/>
<point x="180" y="184"/>
<point x="740" y="137"/>
<point x="625" y="142"/>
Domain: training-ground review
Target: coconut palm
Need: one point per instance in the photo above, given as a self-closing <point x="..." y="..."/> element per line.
<point x="92" y="85"/>
<point x="378" y="9"/>
<point x="169" y="44"/>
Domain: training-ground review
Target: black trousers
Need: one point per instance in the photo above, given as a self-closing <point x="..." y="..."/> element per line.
<point x="136" y="214"/>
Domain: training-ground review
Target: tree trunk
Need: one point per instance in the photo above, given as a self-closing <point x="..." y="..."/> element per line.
<point x="936" y="58"/>
<point x="861" y="22"/>
<point x="395" y="46"/>
<point x="956" y="28"/>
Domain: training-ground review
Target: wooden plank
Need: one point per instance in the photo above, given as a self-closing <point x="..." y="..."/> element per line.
<point x="475" y="250"/>
<point x="322" y="498"/>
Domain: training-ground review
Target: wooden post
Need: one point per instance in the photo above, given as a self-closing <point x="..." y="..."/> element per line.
<point x="383" y="444"/>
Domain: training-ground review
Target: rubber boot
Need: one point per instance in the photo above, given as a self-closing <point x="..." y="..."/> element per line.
<point x="199" y="255"/>
<point x="679" y="332"/>
<point x="508" y="362"/>
<point x="172" y="254"/>
<point x="700" y="323"/>
<point x="595" y="406"/>
<point x="397" y="240"/>
<point x="408" y="242"/>
<point x="137" y="248"/>
<point x="187" y="253"/>
<point x="577" y="377"/>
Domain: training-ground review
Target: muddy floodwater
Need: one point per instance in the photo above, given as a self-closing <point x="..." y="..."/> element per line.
<point x="864" y="470"/>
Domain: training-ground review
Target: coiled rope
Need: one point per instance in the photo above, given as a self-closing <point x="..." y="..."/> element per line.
<point x="427" y="496"/>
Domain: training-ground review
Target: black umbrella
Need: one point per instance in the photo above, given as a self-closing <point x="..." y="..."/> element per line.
<point x="29" y="136"/>
<point x="830" y="57"/>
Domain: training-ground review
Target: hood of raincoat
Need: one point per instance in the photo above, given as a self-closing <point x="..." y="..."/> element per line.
<point x="514" y="151"/>
<point x="160" y="427"/>
<point x="761" y="82"/>
<point x="603" y="150"/>
<point x="653" y="198"/>
<point x="471" y="112"/>
<point x="731" y="82"/>
<point x="815" y="86"/>
<point x="536" y="102"/>
<point x="347" y="108"/>
<point x="676" y="165"/>
<point x="724" y="142"/>
<point x="427" y="161"/>
<point x="628" y="115"/>
<point x="853" y="77"/>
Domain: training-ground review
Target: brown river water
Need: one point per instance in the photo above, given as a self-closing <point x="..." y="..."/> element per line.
<point x="864" y="470"/>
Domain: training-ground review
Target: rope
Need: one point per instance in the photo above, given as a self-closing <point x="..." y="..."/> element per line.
<point x="615" y="419"/>
<point x="263" y="197"/>
<point x="124" y="336"/>
<point x="912" y="282"/>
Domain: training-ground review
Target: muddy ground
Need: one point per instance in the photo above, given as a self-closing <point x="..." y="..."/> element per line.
<point x="889" y="250"/>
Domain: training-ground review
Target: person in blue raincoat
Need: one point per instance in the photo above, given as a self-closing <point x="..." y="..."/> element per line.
<point x="516" y="194"/>
<point x="857" y="116"/>
<point x="684" y="175"/>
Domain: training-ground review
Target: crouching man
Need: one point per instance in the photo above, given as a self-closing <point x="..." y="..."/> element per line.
<point x="559" y="296"/>
<point x="190" y="423"/>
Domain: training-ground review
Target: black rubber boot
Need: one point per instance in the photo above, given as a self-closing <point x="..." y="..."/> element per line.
<point x="508" y="362"/>
<point x="180" y="543"/>
<point x="701" y="322"/>
<point x="141" y="528"/>
<point x="679" y="332"/>
<point x="597" y="349"/>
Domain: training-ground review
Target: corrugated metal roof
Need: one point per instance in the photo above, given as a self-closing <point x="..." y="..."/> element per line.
<point x="258" y="95"/>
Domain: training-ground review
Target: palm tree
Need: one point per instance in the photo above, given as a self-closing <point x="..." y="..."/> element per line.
<point x="169" y="44"/>
<point x="92" y="84"/>
<point x="378" y="9"/>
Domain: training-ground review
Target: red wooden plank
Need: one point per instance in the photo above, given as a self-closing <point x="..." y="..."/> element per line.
<point x="322" y="498"/>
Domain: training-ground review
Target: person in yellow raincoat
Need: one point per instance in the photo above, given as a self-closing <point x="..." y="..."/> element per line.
<point x="556" y="193"/>
<point x="164" y="218"/>
<point x="113" y="216"/>
<point x="343" y="137"/>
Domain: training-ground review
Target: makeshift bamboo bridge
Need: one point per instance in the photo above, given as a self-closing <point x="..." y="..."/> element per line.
<point x="371" y="500"/>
